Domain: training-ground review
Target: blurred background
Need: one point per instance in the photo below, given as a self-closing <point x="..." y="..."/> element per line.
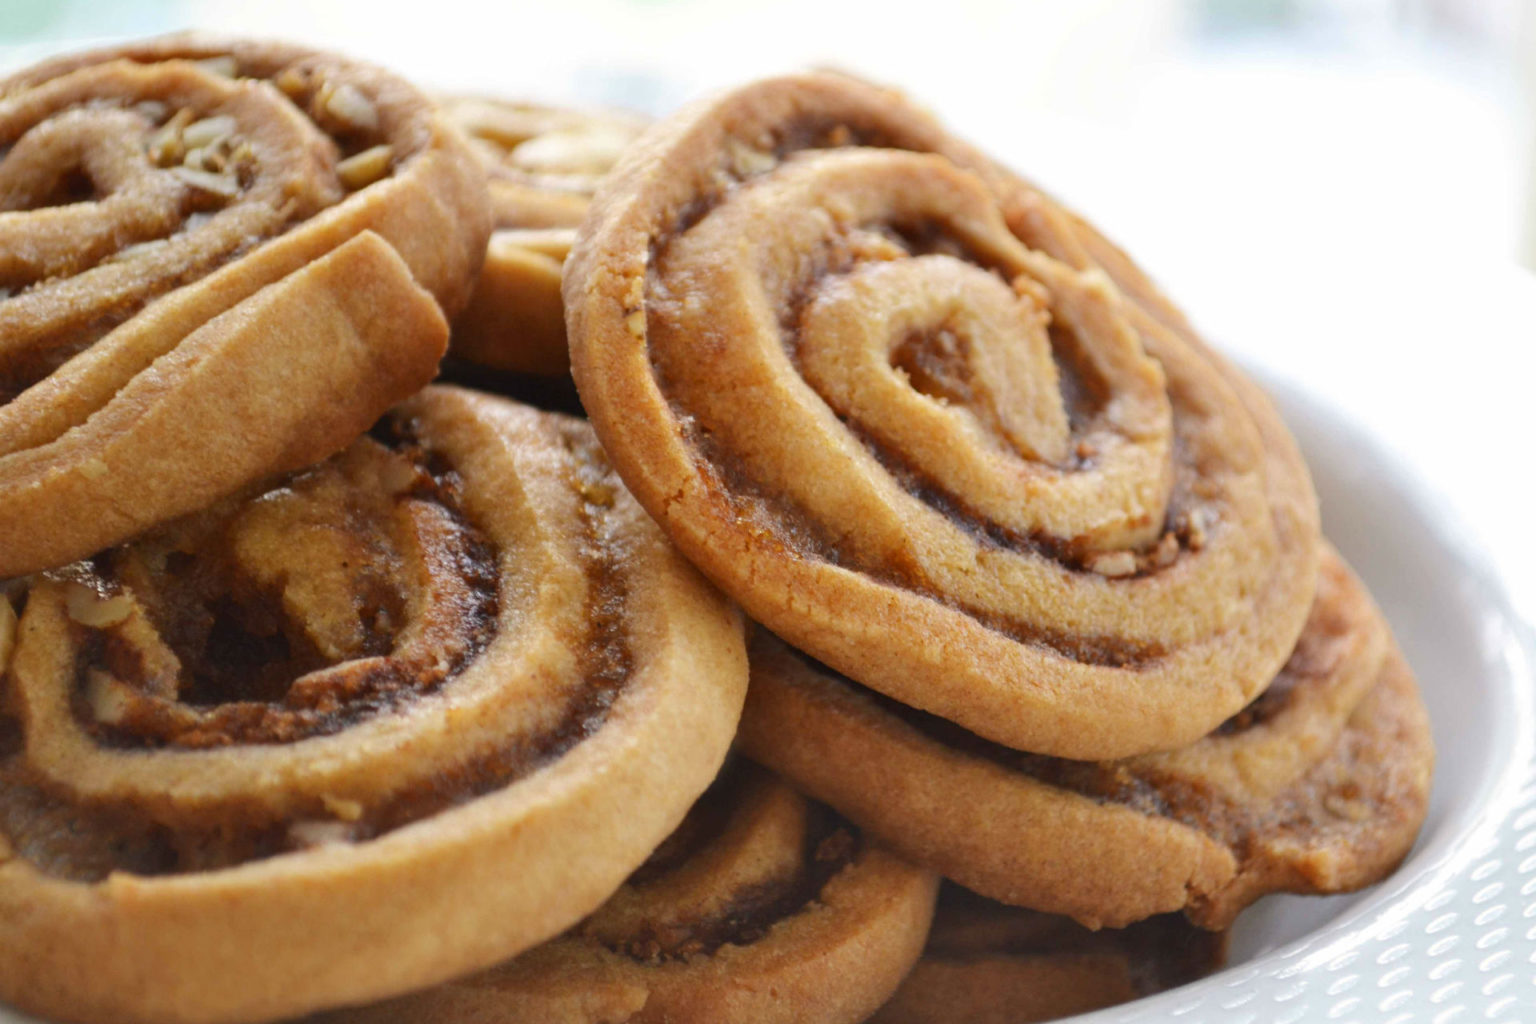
<point x="1338" y="190"/>
<point x="1297" y="120"/>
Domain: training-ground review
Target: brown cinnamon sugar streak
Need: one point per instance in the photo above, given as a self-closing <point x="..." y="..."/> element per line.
<point x="200" y="234"/>
<point x="874" y="386"/>
<point x="1319" y="785"/>
<point x="761" y="907"/>
<point x="344" y="711"/>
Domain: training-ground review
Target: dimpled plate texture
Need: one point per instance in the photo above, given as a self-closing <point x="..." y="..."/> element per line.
<point x="1452" y="935"/>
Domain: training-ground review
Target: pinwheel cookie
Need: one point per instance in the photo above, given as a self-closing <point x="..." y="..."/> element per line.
<point x="986" y="963"/>
<point x="762" y="907"/>
<point x="400" y="718"/>
<point x="221" y="261"/>
<point x="544" y="163"/>
<point x="829" y="349"/>
<point x="1319" y="785"/>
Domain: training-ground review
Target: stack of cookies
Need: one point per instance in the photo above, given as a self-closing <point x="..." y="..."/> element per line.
<point x="907" y="618"/>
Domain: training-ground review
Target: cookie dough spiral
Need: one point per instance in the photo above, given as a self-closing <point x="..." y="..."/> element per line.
<point x="830" y="350"/>
<point x="762" y="907"/>
<point x="399" y="718"/>
<point x="543" y="164"/>
<point x="221" y="261"/>
<point x="1318" y="786"/>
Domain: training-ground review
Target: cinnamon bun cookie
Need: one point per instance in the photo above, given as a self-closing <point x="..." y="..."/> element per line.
<point x="1318" y="786"/>
<point x="986" y="963"/>
<point x="762" y="907"/>
<point x="543" y="163"/>
<point x="845" y="362"/>
<point x="221" y="261"/>
<point x="396" y="719"/>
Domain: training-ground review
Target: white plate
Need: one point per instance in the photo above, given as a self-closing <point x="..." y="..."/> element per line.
<point x="1452" y="935"/>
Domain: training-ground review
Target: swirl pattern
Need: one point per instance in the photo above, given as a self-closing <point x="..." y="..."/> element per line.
<point x="210" y="240"/>
<point x="761" y="907"/>
<point x="986" y="963"/>
<point x="544" y="164"/>
<point x="878" y="390"/>
<point x="1319" y="785"/>
<point x="344" y="715"/>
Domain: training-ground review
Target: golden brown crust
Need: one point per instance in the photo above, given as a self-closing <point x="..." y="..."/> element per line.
<point x="955" y="466"/>
<point x="543" y="165"/>
<point x="987" y="963"/>
<point x="1318" y="786"/>
<point x="233" y="791"/>
<point x="164" y="196"/>
<point x="760" y="908"/>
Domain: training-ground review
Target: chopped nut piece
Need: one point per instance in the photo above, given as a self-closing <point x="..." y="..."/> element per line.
<point x="1197" y="525"/>
<point x="347" y="104"/>
<point x="1113" y="563"/>
<point x="346" y="810"/>
<point x="94" y="469"/>
<point x="597" y="493"/>
<point x="292" y="82"/>
<point x="1166" y="551"/>
<point x="219" y="184"/>
<point x="399" y="476"/>
<point x="363" y="169"/>
<point x="207" y="131"/>
<point x="106" y="696"/>
<point x="164" y="145"/>
<point x="1346" y="808"/>
<point x="306" y="834"/>
<point x="89" y="608"/>
<point x="223" y="65"/>
<point x="746" y="161"/>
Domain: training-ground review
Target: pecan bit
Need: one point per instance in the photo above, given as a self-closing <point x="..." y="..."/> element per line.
<point x="347" y="104"/>
<point x="308" y="834"/>
<point x="1113" y="563"/>
<point x="225" y="185"/>
<point x="223" y="65"/>
<point x="94" y="610"/>
<point x="109" y="698"/>
<point x="165" y="145"/>
<point x="343" y="808"/>
<point x="363" y="169"/>
<point x="208" y="131"/>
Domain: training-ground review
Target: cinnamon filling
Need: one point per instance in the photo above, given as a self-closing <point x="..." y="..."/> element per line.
<point x="827" y="846"/>
<point x="281" y="622"/>
<point x="352" y="591"/>
<point x="935" y="363"/>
